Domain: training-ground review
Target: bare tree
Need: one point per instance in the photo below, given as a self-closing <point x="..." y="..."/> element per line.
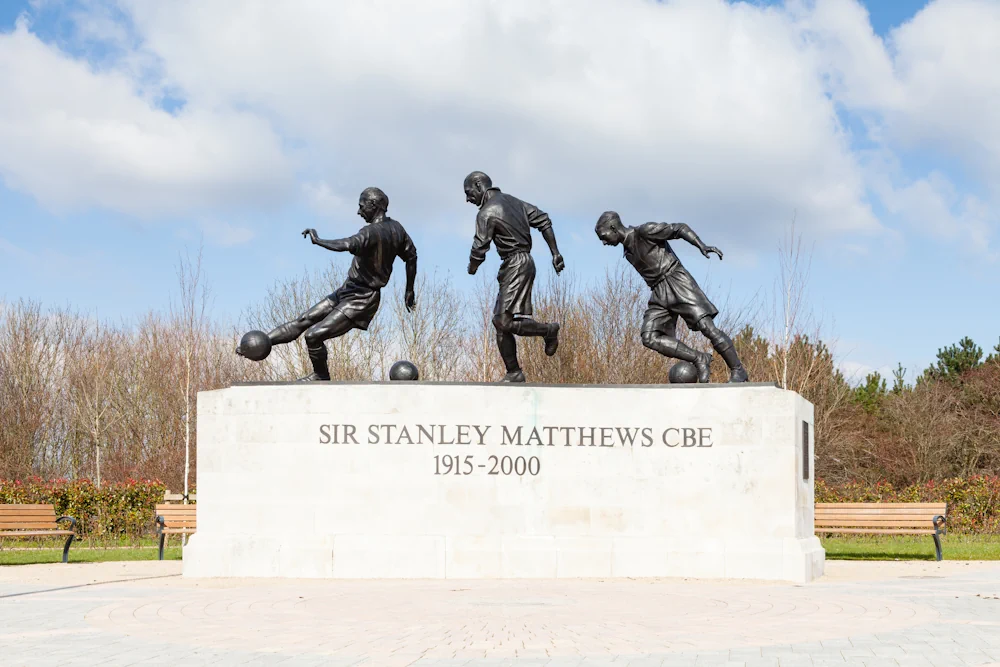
<point x="28" y="353"/>
<point x="791" y="289"/>
<point x="431" y="336"/>
<point x="94" y="363"/>
<point x="190" y="315"/>
<point x="79" y="396"/>
<point x="480" y="348"/>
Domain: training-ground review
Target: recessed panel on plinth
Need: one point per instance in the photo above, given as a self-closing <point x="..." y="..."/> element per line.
<point x="432" y="480"/>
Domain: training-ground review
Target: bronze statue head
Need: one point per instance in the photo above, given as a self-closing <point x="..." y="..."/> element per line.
<point x="610" y="229"/>
<point x="476" y="185"/>
<point x="371" y="203"/>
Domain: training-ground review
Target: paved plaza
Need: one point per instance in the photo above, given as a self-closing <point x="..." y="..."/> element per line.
<point x="860" y="614"/>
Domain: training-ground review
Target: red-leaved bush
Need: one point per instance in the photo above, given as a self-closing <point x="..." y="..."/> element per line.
<point x="115" y="510"/>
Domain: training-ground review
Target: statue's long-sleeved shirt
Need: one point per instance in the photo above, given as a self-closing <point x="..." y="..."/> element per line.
<point x="375" y="247"/>
<point x="646" y="249"/>
<point x="506" y="221"/>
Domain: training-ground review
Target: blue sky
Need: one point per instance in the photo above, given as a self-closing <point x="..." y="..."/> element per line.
<point x="194" y="130"/>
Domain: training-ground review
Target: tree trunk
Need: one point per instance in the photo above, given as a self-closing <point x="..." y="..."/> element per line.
<point x="97" y="448"/>
<point x="187" y="426"/>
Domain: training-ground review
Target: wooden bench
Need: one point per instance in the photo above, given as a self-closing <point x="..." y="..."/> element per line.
<point x="36" y="521"/>
<point x="174" y="519"/>
<point x="884" y="519"/>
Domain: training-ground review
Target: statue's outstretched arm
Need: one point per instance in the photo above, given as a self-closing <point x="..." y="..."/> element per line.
<point x="336" y="245"/>
<point x="662" y="231"/>
<point x="686" y="233"/>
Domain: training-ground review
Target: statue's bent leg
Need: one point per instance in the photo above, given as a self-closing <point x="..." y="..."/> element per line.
<point x="526" y="326"/>
<point x="723" y="344"/>
<point x="289" y="331"/>
<point x="507" y="345"/>
<point x="668" y="347"/>
<point x="334" y="325"/>
<point x="659" y="333"/>
<point x="516" y="277"/>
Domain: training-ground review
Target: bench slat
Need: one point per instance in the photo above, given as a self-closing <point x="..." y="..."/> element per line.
<point x="27" y="506"/>
<point x="864" y="519"/>
<point x="878" y="512"/>
<point x="867" y="516"/>
<point x="178" y="519"/>
<point x="876" y="531"/>
<point x="17" y="525"/>
<point x="856" y="512"/>
<point x="34" y="533"/>
<point x="875" y="517"/>
<point x="920" y="506"/>
<point x="861" y="524"/>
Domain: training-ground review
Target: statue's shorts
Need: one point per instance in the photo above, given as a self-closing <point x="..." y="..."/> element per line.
<point x="358" y="302"/>
<point x="516" y="278"/>
<point x="677" y="295"/>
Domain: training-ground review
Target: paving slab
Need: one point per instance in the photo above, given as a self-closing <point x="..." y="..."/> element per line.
<point x="861" y="614"/>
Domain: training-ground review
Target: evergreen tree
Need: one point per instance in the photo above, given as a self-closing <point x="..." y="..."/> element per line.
<point x="955" y="360"/>
<point x="899" y="379"/>
<point x="870" y="393"/>
<point x="995" y="355"/>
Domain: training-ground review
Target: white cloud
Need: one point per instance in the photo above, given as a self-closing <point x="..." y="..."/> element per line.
<point x="721" y="114"/>
<point x="76" y="138"/>
<point x="225" y="233"/>
<point x="946" y="60"/>
<point x="856" y="372"/>
<point x="932" y="205"/>
<point x="859" y="69"/>
<point x="324" y="200"/>
<point x="934" y="86"/>
<point x="696" y="109"/>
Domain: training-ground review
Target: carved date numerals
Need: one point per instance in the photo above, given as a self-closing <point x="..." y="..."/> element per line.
<point x="496" y="465"/>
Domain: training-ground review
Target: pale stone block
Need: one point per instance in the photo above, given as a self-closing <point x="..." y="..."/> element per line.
<point x="583" y="557"/>
<point x="528" y="557"/>
<point x="569" y="519"/>
<point x="477" y="557"/>
<point x="394" y="479"/>
<point x="755" y="559"/>
<point x="389" y="556"/>
<point x="696" y="564"/>
<point x="658" y="557"/>
<point x="803" y="559"/>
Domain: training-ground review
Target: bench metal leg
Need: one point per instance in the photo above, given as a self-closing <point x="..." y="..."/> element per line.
<point x="937" y="545"/>
<point x="163" y="537"/>
<point x="69" y="541"/>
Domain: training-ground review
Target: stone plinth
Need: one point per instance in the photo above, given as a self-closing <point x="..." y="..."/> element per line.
<point x="434" y="480"/>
